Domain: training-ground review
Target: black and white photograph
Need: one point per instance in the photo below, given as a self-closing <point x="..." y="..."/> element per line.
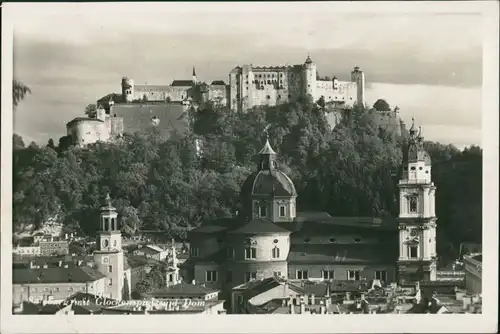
<point x="336" y="160"/>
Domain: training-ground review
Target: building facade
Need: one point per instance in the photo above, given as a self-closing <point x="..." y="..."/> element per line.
<point x="269" y="238"/>
<point x="473" y="273"/>
<point x="252" y="86"/>
<point x="417" y="214"/>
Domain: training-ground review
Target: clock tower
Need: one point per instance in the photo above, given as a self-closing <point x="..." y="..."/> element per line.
<point x="109" y="255"/>
<point x="417" y="218"/>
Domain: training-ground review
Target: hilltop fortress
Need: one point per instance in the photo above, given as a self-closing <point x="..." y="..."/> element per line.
<point x="139" y="107"/>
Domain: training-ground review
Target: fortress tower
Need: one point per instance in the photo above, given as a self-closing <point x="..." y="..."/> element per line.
<point x="109" y="254"/>
<point x="309" y="78"/>
<point x="417" y="217"/>
<point x="127" y="89"/>
<point x="358" y="77"/>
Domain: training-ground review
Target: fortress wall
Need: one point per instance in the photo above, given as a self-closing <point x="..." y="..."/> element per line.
<point x="160" y="93"/>
<point x="84" y="132"/>
<point x="137" y="117"/>
<point x="346" y="92"/>
<point x="217" y="93"/>
<point x="114" y="124"/>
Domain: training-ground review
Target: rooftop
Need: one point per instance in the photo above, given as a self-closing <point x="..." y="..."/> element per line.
<point x="362" y="253"/>
<point x="259" y="225"/>
<point x="73" y="274"/>
<point x="182" y="290"/>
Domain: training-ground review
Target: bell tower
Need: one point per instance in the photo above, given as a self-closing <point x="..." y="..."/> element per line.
<point x="417" y="218"/>
<point x="109" y="254"/>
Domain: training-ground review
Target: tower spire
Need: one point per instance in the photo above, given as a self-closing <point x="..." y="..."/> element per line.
<point x="267" y="154"/>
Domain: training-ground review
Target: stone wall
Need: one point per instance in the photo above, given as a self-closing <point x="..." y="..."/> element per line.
<point x="87" y="131"/>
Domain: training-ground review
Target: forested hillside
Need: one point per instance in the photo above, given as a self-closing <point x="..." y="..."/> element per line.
<point x="160" y="183"/>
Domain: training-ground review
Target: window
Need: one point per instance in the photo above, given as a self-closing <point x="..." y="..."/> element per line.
<point x="195" y="252"/>
<point x="412" y="252"/>
<point x="413" y="168"/>
<point x="276" y="252"/>
<point x="230" y="252"/>
<point x="357" y="240"/>
<point x="250" y="276"/>
<point x="332" y="240"/>
<point x="171" y="278"/>
<point x="250" y="253"/>
<point x="413" y="204"/>
<point x="110" y="269"/>
<point x="302" y="274"/>
<point x="268" y="97"/>
<point x="110" y="281"/>
<point x="282" y="210"/>
<point x="229" y="276"/>
<point x="275" y="241"/>
<point x="262" y="210"/>
<point x="211" y="276"/>
<point x="353" y="275"/>
<point x="381" y="275"/>
<point x="277" y="273"/>
<point x="328" y="274"/>
<point x="240" y="300"/>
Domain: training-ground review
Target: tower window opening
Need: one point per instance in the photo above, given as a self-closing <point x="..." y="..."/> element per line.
<point x="420" y="168"/>
<point x="106" y="224"/>
<point x="268" y="82"/>
<point x="413" y="168"/>
<point x="413" y="252"/>
<point x="413" y="204"/>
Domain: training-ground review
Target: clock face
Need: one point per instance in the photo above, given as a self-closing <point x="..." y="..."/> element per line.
<point x="105" y="243"/>
<point x="414" y="233"/>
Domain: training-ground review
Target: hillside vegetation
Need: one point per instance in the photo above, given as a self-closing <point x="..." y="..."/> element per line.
<point x="159" y="183"/>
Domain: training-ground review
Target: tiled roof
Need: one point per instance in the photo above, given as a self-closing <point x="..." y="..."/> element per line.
<point x="266" y="182"/>
<point x="313" y="253"/>
<point x="218" y="83"/>
<point x="182" y="83"/>
<point x="56" y="275"/>
<point x="259" y="225"/>
<point x="135" y="261"/>
<point x="181" y="290"/>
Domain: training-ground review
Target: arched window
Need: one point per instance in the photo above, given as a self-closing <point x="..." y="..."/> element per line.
<point x="262" y="210"/>
<point x="106" y="224"/>
<point x="413" y="204"/>
<point x="276" y="252"/>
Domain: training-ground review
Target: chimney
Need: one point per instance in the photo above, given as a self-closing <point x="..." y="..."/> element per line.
<point x="66" y="266"/>
<point x="60" y="263"/>
<point x="79" y="264"/>
<point x="302" y="307"/>
<point x="193" y="282"/>
<point x="347" y="296"/>
<point x="313" y="299"/>
<point x="45" y="266"/>
<point x="32" y="264"/>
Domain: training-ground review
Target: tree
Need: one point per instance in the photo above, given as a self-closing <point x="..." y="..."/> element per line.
<point x="51" y="144"/>
<point x="19" y="92"/>
<point x="91" y="110"/>
<point x="321" y="102"/>
<point x="17" y="142"/>
<point x="381" y="105"/>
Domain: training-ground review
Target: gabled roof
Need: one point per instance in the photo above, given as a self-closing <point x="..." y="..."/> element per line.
<point x="56" y="275"/>
<point x="340" y="253"/>
<point x="182" y="290"/>
<point x="256" y="287"/>
<point x="258" y="226"/>
<point x="182" y="83"/>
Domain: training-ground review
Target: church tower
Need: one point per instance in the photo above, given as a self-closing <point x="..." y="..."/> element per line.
<point x="109" y="257"/>
<point x="195" y="79"/>
<point x="417" y="217"/>
<point x="309" y="78"/>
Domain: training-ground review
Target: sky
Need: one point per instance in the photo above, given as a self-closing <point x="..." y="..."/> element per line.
<point x="429" y="65"/>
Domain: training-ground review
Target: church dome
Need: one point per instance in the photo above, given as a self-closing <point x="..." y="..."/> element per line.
<point x="268" y="180"/>
<point x="268" y="183"/>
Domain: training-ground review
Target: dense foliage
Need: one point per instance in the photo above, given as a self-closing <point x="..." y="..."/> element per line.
<point x="159" y="183"/>
<point x="19" y="92"/>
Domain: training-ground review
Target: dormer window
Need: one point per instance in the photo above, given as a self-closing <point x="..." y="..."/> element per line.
<point x="332" y="240"/>
<point x="357" y="240"/>
<point x="307" y="240"/>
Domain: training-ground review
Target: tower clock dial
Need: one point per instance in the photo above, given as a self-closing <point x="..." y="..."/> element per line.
<point x="105" y="243"/>
<point x="414" y="233"/>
